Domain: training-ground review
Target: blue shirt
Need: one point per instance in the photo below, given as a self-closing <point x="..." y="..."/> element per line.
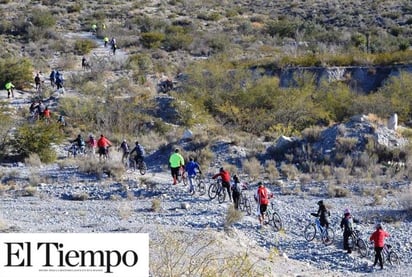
<point x="191" y="168"/>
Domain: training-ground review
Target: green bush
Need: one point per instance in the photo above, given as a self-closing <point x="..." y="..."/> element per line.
<point x="42" y="18"/>
<point x="152" y="39"/>
<point x="17" y="70"/>
<point x="37" y="138"/>
<point x="84" y="46"/>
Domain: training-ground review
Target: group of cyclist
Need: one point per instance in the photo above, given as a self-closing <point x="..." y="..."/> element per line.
<point x="347" y="225"/>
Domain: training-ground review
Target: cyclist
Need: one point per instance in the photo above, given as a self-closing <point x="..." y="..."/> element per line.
<point x="191" y="172"/>
<point x="52" y="78"/>
<point x="79" y="143"/>
<point x="92" y="144"/>
<point x="323" y="214"/>
<point x="262" y="196"/>
<point x="124" y="146"/>
<point x="139" y="150"/>
<point x="47" y="114"/>
<point x="37" y="81"/>
<point x="347" y="225"/>
<point x="105" y="40"/>
<point x="59" y="80"/>
<point x="225" y="176"/>
<point x="103" y="143"/>
<point x="176" y="162"/>
<point x="236" y="188"/>
<point x="10" y="89"/>
<point x="378" y="237"/>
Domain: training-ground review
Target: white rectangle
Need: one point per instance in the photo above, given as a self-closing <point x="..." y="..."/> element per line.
<point x="74" y="255"/>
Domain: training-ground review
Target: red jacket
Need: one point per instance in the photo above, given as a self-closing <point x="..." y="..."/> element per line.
<point x="103" y="142"/>
<point x="224" y="175"/>
<point x="379" y="237"/>
<point x="263" y="195"/>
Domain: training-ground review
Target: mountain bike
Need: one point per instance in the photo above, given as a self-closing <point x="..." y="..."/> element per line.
<point x="244" y="202"/>
<point x="356" y="242"/>
<point x="199" y="185"/>
<point x="130" y="162"/>
<point x="390" y="255"/>
<point x="327" y="234"/>
<point x="272" y="218"/>
<point x="74" y="150"/>
<point x="182" y="176"/>
<point x="216" y="189"/>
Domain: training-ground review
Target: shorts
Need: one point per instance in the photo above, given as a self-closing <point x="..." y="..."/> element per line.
<point x="102" y="150"/>
<point x="263" y="208"/>
<point x="175" y="171"/>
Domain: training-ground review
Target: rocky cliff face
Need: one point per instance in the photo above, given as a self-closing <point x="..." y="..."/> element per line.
<point x="362" y="79"/>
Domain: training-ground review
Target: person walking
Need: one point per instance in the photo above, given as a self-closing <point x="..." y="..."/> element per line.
<point x="10" y="89"/>
<point x="176" y="161"/>
<point x="236" y="191"/>
<point x="52" y="78"/>
<point x="103" y="144"/>
<point x="37" y="81"/>
<point x="191" y="168"/>
<point x="323" y="214"/>
<point x="378" y="237"/>
<point x="347" y="225"/>
<point x="124" y="146"/>
<point x="262" y="196"/>
<point x="225" y="176"/>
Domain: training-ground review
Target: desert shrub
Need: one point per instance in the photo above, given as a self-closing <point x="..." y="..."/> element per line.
<point x="176" y="41"/>
<point x="152" y="39"/>
<point x="252" y="168"/>
<point x="37" y="138"/>
<point x="312" y="134"/>
<point x="232" y="216"/>
<point x="174" y="255"/>
<point x="33" y="160"/>
<point x="289" y="171"/>
<point x="271" y="171"/>
<point x="209" y="16"/>
<point x="113" y="169"/>
<point x="337" y="191"/>
<point x="84" y="46"/>
<point x="282" y="28"/>
<point x="80" y="196"/>
<point x="42" y="18"/>
<point x="17" y="70"/>
<point x="156" y="205"/>
<point x="141" y="62"/>
<point x="346" y="144"/>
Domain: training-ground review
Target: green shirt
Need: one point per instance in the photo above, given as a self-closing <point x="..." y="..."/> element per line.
<point x="176" y="160"/>
<point x="9" y="85"/>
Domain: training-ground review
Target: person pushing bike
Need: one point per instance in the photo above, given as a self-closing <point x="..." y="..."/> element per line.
<point x="323" y="214"/>
<point x="139" y="150"/>
<point x="225" y="176"/>
<point x="378" y="237"/>
<point x="191" y="172"/>
<point x="262" y="196"/>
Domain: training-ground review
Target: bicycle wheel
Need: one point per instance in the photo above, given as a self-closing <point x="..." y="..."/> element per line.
<point x="212" y="192"/>
<point x="142" y="168"/>
<point x="221" y="196"/>
<point x="132" y="164"/>
<point x="201" y="187"/>
<point x="393" y="258"/>
<point x="310" y="231"/>
<point x="328" y="236"/>
<point x="276" y="221"/>
<point x="363" y="248"/>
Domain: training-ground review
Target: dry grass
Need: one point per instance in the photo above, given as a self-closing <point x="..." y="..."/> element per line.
<point x="232" y="216"/>
<point x="252" y="168"/>
<point x="337" y="191"/>
<point x="156" y="205"/>
<point x="80" y="196"/>
<point x="33" y="160"/>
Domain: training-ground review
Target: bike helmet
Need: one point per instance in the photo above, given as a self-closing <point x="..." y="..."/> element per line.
<point x="137" y="143"/>
<point x="378" y="225"/>
<point x="346" y="211"/>
<point x="221" y="169"/>
<point x="320" y="202"/>
<point x="124" y="141"/>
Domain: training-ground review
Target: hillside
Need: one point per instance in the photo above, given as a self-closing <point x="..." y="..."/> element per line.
<point x="308" y="142"/>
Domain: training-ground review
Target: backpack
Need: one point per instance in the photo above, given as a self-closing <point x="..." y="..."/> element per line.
<point x="236" y="187"/>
